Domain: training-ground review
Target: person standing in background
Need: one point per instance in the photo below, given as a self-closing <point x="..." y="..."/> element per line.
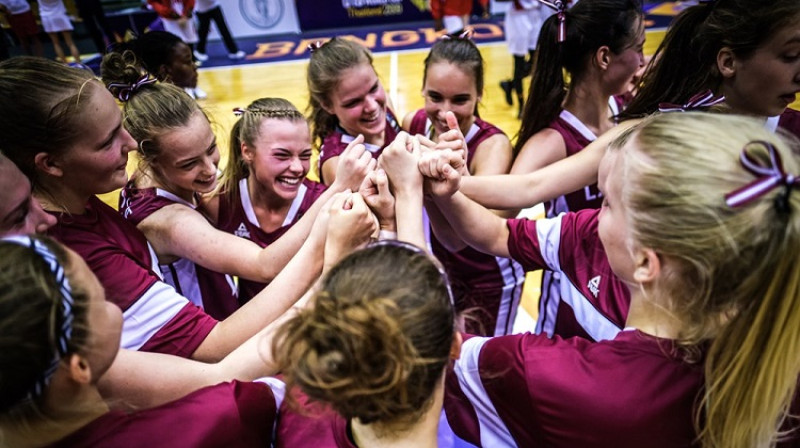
<point x="523" y="21"/>
<point x="94" y="19"/>
<point x="20" y="17"/>
<point x="55" y="21"/>
<point x="176" y="15"/>
<point x="208" y="10"/>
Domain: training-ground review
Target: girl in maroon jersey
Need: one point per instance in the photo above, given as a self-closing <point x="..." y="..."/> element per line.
<point x="744" y="50"/>
<point x="164" y="198"/>
<point x="60" y="336"/>
<point x="264" y="191"/>
<point x="488" y="288"/>
<point x="698" y="212"/>
<point x="70" y="141"/>
<point x="601" y="51"/>
<point x="346" y="100"/>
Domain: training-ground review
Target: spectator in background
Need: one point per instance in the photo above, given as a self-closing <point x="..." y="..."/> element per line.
<point x="208" y="10"/>
<point x="55" y="21"/>
<point x="453" y="15"/>
<point x="176" y="17"/>
<point x="94" y="19"/>
<point x="20" y="17"/>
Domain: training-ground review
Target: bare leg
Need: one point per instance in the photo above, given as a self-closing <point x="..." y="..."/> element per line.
<point x="57" y="47"/>
<point x="71" y="44"/>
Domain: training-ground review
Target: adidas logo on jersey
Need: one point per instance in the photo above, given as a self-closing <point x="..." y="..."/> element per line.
<point x="594" y="286"/>
<point x="242" y="232"/>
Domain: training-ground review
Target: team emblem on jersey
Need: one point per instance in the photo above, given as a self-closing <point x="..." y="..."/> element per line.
<point x="594" y="286"/>
<point x="242" y="232"/>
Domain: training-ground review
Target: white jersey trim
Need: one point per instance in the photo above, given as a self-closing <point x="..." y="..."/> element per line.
<point x="369" y="146"/>
<point x="277" y="386"/>
<point x="250" y="213"/>
<point x="513" y="279"/>
<point x="612" y="104"/>
<point x="154" y="266"/>
<point x="473" y="130"/>
<point x="493" y="430"/>
<point x="247" y="204"/>
<point x="181" y="274"/>
<point x="295" y="207"/>
<point x="772" y="123"/>
<point x="146" y="316"/>
<point x="174" y="198"/>
<point x="595" y="323"/>
<point x="577" y="124"/>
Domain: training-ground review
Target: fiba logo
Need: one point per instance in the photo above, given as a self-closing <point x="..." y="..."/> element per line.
<point x="262" y="14"/>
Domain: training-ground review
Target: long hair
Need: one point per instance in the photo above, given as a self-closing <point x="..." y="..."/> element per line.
<point x="41" y="108"/>
<point x="685" y="62"/>
<point x="731" y="274"/>
<point x="590" y="25"/>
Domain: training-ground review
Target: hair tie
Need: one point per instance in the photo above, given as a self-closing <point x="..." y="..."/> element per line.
<point x="126" y="90"/>
<point x="238" y="111"/>
<point x="561" y="11"/>
<point x="466" y="34"/>
<point x="414" y="249"/>
<point x="700" y="101"/>
<point x="768" y="177"/>
<point x="314" y="46"/>
<point x="64" y="335"/>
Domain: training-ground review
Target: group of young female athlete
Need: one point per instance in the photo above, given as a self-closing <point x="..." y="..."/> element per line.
<point x="374" y="308"/>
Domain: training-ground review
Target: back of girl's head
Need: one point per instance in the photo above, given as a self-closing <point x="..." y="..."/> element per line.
<point x="377" y="339"/>
<point x="150" y="109"/>
<point x="325" y="68"/>
<point x="460" y="51"/>
<point x="153" y="49"/>
<point x="247" y="129"/>
<point x="590" y="24"/>
<point x="41" y="108"/>
<point x="31" y="318"/>
<point x="728" y="273"/>
<point x="685" y="62"/>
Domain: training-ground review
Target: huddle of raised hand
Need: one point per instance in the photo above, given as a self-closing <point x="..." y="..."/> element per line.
<point x="409" y="165"/>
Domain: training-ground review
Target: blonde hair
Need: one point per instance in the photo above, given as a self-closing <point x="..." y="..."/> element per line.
<point x="152" y="110"/>
<point x="42" y="108"/>
<point x="733" y="274"/>
<point x="247" y="129"/>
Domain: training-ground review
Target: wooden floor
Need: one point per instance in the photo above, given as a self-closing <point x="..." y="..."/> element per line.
<point x="401" y="75"/>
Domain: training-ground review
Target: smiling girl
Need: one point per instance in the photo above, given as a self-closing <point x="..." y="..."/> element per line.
<point x="265" y="191"/>
<point x="346" y="100"/>
<point x="179" y="158"/>
<point x="487" y="286"/>
<point x="66" y="134"/>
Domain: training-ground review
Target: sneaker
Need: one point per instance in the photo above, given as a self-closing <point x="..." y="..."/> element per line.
<point x="200" y="94"/>
<point x="506" y="86"/>
<point x="236" y="56"/>
<point x="202" y="57"/>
